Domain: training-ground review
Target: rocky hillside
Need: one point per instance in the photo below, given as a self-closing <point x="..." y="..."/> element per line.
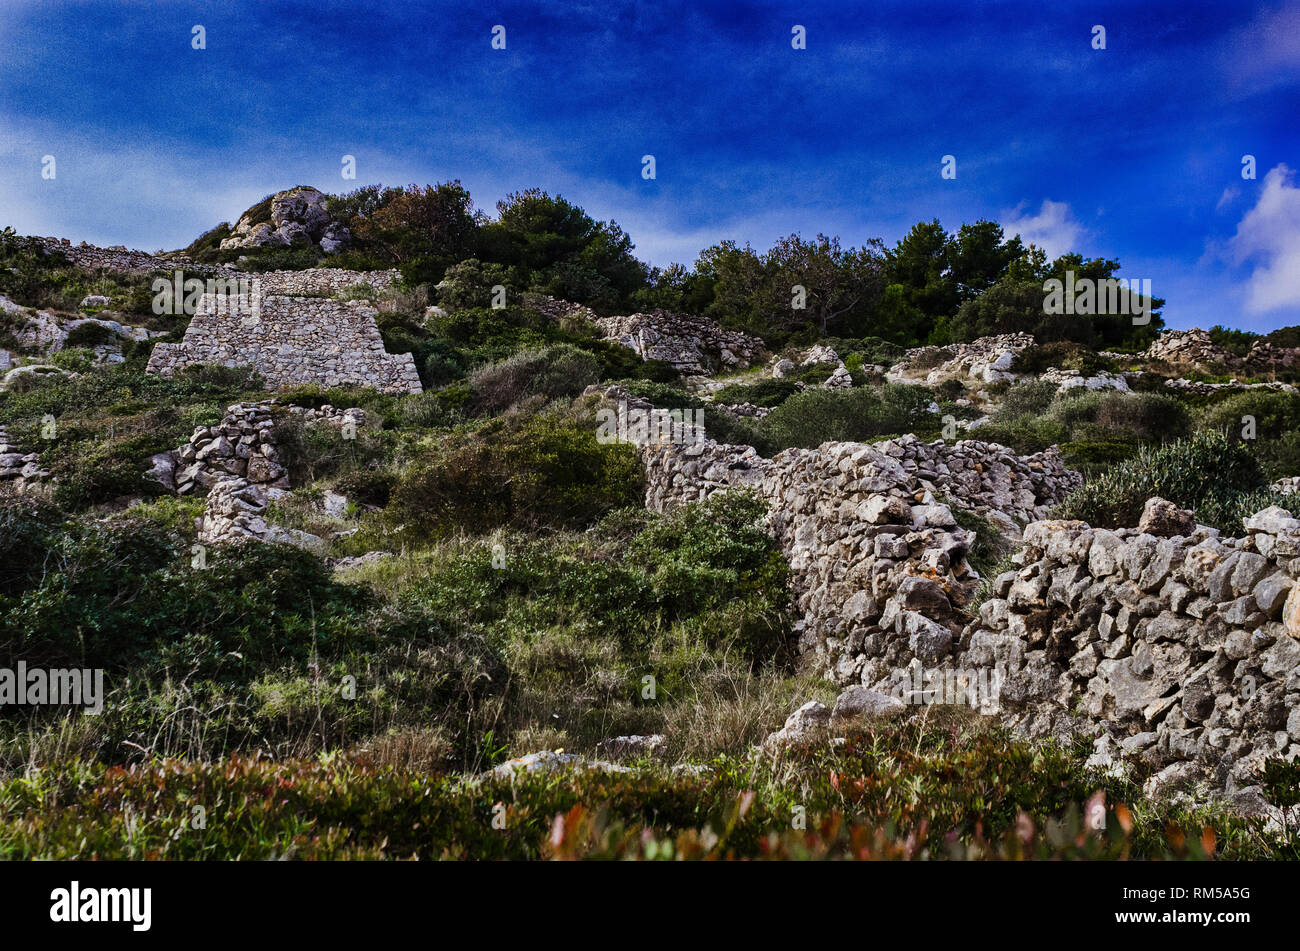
<point x="472" y="531"/>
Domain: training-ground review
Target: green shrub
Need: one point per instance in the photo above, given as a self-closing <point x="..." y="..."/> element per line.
<point x="1065" y="354"/>
<point x="551" y="372"/>
<point x="1027" y="399"/>
<point x="124" y="592"/>
<point x="312" y="451"/>
<point x="815" y="416"/>
<point x="1208" y="473"/>
<point x="1093" y="429"/>
<point x="524" y="472"/>
<point x="869" y="350"/>
<point x="766" y="392"/>
<point x="950" y="390"/>
<point x="1149" y="417"/>
<point x="28" y="528"/>
<point x="1032" y="803"/>
<point x="1276" y="437"/>
<point x="442" y="408"/>
<point x="74" y="360"/>
<point x="90" y="335"/>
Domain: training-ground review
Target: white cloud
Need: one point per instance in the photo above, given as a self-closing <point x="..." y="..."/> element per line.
<point x="1228" y="197"/>
<point x="1268" y="238"/>
<point x="1053" y="229"/>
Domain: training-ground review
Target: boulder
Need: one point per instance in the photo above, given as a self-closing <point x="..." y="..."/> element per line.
<point x="859" y="702"/>
<point x="1163" y="518"/>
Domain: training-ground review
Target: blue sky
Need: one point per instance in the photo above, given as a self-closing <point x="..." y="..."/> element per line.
<point x="1133" y="152"/>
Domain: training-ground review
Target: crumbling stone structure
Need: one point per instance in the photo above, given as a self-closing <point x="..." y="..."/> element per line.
<point x="20" y="470"/>
<point x="986" y="360"/>
<point x="878" y="561"/>
<point x="1180" y="648"/>
<point x="292" y="340"/>
<point x="694" y="345"/>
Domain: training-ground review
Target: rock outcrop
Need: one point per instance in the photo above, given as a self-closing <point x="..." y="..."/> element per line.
<point x="296" y="216"/>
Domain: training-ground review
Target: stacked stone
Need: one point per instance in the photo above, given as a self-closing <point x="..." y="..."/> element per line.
<point x="1074" y="379"/>
<point x="986" y="477"/>
<point x="241" y="446"/>
<point x="20" y="471"/>
<point x="1262" y="352"/>
<point x="118" y="258"/>
<point x="1205" y="389"/>
<point x="1188" y="347"/>
<point x="879" y="565"/>
<point x="986" y="360"/>
<point x="840" y="377"/>
<point x="1179" y="644"/>
<point x="554" y="309"/>
<point x="293" y="340"/>
<point x="694" y="345"/>
<point x="680" y="475"/>
<point x="323" y="281"/>
<point x="239" y="466"/>
<point x="745" y="410"/>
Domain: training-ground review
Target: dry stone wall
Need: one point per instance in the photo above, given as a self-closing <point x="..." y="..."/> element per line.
<point x="298" y="334"/>
<point x="1168" y="643"/>
<point x="20" y="470"/>
<point x="694" y="345"/>
<point x="293" y="340"/>
<point x="239" y="467"/>
<point x="985" y="360"/>
<point x="323" y="281"/>
<point x="119" y="258"/>
<point x="878" y="561"/>
<point x="1181" y="650"/>
<point x="1194" y="347"/>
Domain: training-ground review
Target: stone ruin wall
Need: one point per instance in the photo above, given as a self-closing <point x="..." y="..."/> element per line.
<point x="293" y="340"/>
<point x="878" y="561"/>
<point x="694" y="345"/>
<point x="1178" y="650"/>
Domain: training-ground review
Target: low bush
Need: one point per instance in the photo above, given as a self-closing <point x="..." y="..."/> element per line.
<point x="1094" y="429"/>
<point x="551" y="372"/>
<point x="766" y="392"/>
<point x="1209" y="473"/>
<point x="861" y="414"/>
<point x="1031" y="803"/>
<point x="1265" y="420"/>
<point x="521" y="472"/>
<point x="1064" y="354"/>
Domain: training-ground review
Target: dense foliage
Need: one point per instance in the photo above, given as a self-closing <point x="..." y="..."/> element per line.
<point x="1215" y="477"/>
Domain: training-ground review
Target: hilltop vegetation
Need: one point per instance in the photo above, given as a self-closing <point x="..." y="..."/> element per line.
<point x="932" y="286"/>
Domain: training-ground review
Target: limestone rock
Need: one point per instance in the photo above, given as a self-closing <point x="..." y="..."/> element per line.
<point x="1163" y="518"/>
<point x="858" y="701"/>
